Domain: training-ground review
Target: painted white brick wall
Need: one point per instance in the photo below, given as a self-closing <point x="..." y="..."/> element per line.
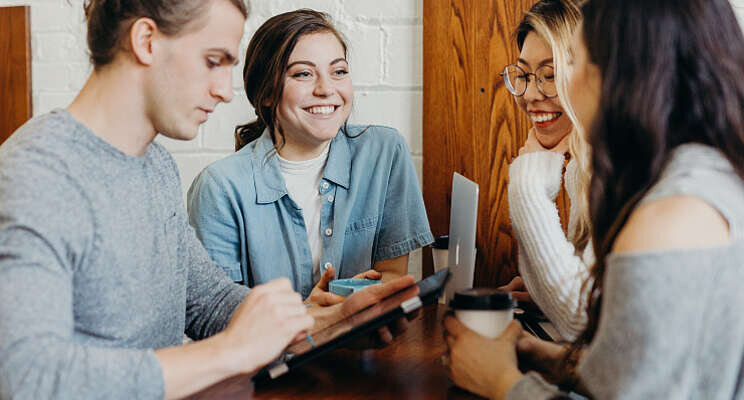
<point x="385" y="39"/>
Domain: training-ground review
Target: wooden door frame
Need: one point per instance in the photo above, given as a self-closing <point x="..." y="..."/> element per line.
<point x="16" y="105"/>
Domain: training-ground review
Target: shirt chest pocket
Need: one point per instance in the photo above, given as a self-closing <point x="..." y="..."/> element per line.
<point x="359" y="242"/>
<point x="233" y="271"/>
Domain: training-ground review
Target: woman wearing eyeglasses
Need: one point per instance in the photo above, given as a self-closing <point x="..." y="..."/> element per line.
<point x="552" y="263"/>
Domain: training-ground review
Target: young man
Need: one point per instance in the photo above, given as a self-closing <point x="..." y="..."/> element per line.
<point x="100" y="273"/>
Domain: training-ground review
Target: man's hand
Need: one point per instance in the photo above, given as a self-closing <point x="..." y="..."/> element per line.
<point x="268" y="319"/>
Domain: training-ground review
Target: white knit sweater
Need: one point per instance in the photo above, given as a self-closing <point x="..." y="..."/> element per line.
<point x="550" y="267"/>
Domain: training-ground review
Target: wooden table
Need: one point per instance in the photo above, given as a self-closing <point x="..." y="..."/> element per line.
<point x="409" y="368"/>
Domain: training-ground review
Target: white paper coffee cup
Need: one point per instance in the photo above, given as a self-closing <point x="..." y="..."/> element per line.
<point x="440" y="259"/>
<point x="440" y="252"/>
<point x="486" y="311"/>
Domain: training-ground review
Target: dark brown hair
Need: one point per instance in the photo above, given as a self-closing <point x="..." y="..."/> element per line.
<point x="109" y="21"/>
<point x="671" y="74"/>
<point x="266" y="62"/>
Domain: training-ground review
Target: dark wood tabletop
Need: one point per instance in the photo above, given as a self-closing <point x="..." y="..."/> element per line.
<point x="409" y="368"/>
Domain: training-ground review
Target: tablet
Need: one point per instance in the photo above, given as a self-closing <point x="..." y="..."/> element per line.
<point x="362" y="323"/>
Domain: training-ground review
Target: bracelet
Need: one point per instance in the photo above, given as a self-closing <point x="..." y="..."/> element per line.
<point x="310" y="340"/>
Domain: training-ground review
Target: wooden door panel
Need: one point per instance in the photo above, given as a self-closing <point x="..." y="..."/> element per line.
<point x="500" y="131"/>
<point x="15" y="69"/>
<point x="448" y="65"/>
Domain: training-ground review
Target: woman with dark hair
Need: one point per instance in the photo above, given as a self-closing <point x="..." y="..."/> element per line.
<point x="658" y="85"/>
<point x="307" y="196"/>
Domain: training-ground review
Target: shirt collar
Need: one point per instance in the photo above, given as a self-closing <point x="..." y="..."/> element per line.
<point x="267" y="176"/>
<point x="338" y="167"/>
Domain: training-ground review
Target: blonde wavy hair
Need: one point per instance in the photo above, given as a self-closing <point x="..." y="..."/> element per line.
<point x="555" y="21"/>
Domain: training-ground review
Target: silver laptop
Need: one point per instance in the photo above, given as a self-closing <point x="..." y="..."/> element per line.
<point x="463" y="220"/>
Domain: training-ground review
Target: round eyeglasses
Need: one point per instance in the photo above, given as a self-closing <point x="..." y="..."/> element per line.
<point x="516" y="80"/>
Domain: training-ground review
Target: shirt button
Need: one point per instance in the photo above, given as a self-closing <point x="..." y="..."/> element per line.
<point x="324" y="185"/>
<point x="328" y="232"/>
<point x="327" y="265"/>
<point x="330" y="198"/>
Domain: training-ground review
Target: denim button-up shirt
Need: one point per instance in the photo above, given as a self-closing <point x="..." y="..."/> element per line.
<point x="372" y="210"/>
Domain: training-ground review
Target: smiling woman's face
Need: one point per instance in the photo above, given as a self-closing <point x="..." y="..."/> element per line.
<point x="550" y="121"/>
<point x="318" y="93"/>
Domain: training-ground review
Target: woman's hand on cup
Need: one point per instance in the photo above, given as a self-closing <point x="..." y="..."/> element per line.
<point x="486" y="367"/>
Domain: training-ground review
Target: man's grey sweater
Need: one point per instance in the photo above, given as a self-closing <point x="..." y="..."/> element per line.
<point x="98" y="266"/>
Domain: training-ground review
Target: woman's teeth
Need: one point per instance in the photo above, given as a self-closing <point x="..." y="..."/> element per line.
<point x="323" y="110"/>
<point x="544" y="117"/>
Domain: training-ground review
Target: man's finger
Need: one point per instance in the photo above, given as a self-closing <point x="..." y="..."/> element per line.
<point x="279" y="284"/>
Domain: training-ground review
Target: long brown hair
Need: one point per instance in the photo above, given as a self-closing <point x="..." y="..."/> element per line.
<point x="671" y="74"/>
<point x="266" y="62"/>
<point x="109" y="21"/>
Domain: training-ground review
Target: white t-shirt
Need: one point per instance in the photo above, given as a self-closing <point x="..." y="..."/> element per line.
<point x="303" y="184"/>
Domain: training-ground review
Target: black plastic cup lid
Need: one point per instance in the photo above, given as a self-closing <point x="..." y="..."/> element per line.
<point x="482" y="299"/>
<point x="441" y="242"/>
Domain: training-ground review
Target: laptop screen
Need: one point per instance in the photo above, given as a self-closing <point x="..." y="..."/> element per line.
<point x="463" y="222"/>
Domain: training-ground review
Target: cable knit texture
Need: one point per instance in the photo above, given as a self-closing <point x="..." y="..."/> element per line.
<point x="552" y="270"/>
<point x="671" y="325"/>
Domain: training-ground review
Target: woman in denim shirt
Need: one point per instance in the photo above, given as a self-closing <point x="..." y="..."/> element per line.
<point x="307" y="196"/>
